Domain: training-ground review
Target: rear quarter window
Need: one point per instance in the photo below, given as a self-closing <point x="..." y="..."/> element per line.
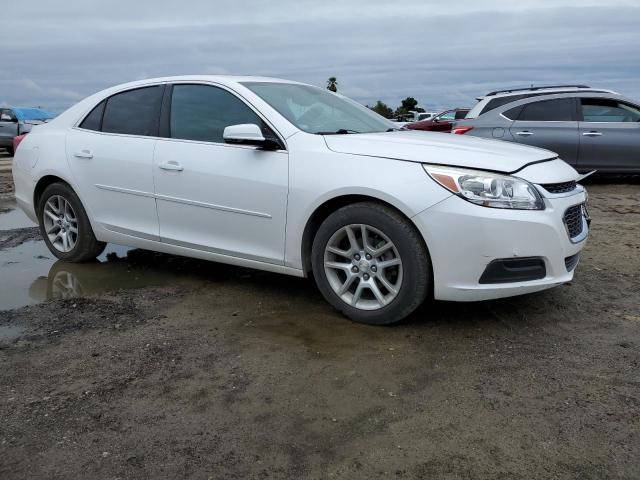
<point x="498" y="102"/>
<point x="512" y="113"/>
<point x="93" y="121"/>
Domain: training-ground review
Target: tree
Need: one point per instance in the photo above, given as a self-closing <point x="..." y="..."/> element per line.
<point x="407" y="105"/>
<point x="332" y="84"/>
<point x="383" y="109"/>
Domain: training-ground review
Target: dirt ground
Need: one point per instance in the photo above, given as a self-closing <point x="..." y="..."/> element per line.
<point x="199" y="370"/>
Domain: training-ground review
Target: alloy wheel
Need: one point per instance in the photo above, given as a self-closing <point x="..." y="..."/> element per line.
<point x="363" y="266"/>
<point x="60" y="223"/>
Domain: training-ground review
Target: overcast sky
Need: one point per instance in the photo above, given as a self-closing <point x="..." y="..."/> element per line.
<point x="54" y="53"/>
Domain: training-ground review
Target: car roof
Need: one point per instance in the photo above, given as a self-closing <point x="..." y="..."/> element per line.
<point x="543" y="88"/>
<point x="552" y="95"/>
<point x="223" y="79"/>
<point x="549" y="96"/>
<point x="499" y="99"/>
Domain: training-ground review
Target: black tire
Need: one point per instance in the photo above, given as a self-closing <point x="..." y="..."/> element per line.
<point x="416" y="265"/>
<point x="10" y="151"/>
<point x="86" y="247"/>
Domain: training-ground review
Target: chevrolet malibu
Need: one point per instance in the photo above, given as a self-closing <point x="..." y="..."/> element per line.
<point x="286" y="177"/>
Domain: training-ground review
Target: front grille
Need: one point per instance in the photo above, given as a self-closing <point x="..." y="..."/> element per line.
<point x="571" y="262"/>
<point x="563" y="187"/>
<point x="573" y="220"/>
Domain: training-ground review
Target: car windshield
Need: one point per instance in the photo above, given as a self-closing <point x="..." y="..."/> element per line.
<point x="318" y="111"/>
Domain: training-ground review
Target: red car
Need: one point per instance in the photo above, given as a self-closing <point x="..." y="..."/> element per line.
<point x="441" y="122"/>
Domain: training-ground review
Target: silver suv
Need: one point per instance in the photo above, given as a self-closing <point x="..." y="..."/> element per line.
<point x="591" y="129"/>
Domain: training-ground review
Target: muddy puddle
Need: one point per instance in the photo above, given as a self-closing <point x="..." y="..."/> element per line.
<point x="31" y="274"/>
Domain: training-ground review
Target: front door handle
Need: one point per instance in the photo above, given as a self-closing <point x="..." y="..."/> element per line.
<point x="592" y="134"/>
<point x="174" y="166"/>
<point x="524" y="133"/>
<point x="84" y="153"/>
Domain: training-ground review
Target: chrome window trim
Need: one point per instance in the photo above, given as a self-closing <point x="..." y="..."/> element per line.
<point x="545" y="121"/>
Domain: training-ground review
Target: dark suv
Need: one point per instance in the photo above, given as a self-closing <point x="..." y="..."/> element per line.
<point x="590" y="129"/>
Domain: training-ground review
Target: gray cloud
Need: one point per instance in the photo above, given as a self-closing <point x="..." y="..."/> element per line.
<point x="55" y="53"/>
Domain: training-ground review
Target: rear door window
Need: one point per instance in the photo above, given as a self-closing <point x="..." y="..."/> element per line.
<point x="605" y="110"/>
<point x="557" y="110"/>
<point x="134" y="112"/>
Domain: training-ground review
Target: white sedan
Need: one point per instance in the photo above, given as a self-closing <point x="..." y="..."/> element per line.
<point x="290" y="178"/>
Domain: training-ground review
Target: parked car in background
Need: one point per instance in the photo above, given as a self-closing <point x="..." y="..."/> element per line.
<point x="17" y="121"/>
<point x="590" y="129"/>
<point x="498" y="98"/>
<point x="423" y="116"/>
<point x="441" y="122"/>
<point x="290" y="178"/>
<point x="412" y="117"/>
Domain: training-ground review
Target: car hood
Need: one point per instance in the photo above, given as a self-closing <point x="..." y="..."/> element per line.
<point x="440" y="149"/>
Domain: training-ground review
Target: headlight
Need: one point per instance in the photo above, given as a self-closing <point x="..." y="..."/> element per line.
<point x="487" y="189"/>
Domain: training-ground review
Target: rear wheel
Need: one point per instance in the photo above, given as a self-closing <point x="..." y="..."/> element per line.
<point x="370" y="263"/>
<point x="65" y="227"/>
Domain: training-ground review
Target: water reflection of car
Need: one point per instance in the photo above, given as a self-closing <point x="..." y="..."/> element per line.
<point x="18" y="121"/>
<point x="130" y="269"/>
<point x="442" y="122"/>
<point x="289" y="178"/>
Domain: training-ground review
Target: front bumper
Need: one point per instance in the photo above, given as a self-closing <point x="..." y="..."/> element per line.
<point x="463" y="239"/>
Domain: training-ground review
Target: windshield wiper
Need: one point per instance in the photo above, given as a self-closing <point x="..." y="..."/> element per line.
<point x="342" y="131"/>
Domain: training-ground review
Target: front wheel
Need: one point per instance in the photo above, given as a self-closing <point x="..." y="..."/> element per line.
<point x="370" y="263"/>
<point x="65" y="227"/>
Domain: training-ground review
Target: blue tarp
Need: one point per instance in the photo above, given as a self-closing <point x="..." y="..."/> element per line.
<point x="32" y="114"/>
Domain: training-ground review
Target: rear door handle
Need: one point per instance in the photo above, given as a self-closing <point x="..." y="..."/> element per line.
<point x="174" y="166"/>
<point x="592" y="134"/>
<point x="84" y="153"/>
<point x="524" y="133"/>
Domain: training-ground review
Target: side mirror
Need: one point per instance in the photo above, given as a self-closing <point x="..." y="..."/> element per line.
<point x="247" y="134"/>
